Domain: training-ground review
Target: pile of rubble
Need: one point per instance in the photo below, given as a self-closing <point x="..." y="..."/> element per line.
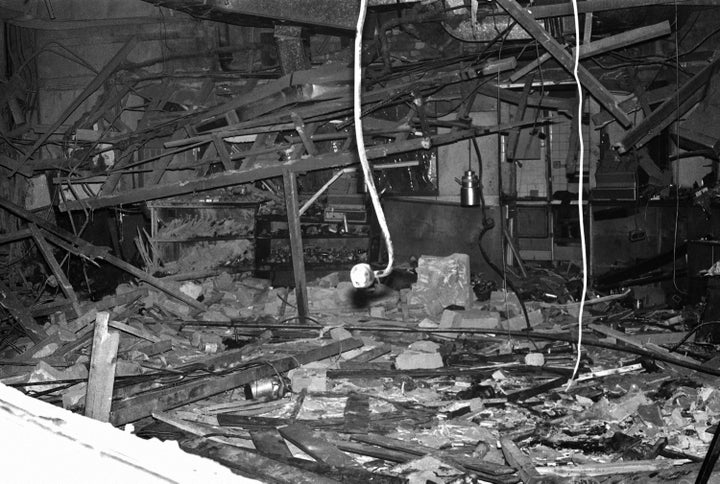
<point x="387" y="387"/>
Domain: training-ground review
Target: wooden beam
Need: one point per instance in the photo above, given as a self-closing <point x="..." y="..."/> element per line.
<point x="164" y="162"/>
<point x="690" y="93"/>
<point x="565" y="9"/>
<point x="17" y="310"/>
<point x="101" y="376"/>
<point x="15" y="166"/>
<point x="605" y="44"/>
<point x="94" y="85"/>
<point x="222" y="152"/>
<point x="57" y="271"/>
<point x="140" y="406"/>
<point x="15" y="236"/>
<point x="304" y="135"/>
<point x="515" y="457"/>
<point x="487" y="468"/>
<point x="596" y="89"/>
<point x="296" y="245"/>
<point x="252" y="464"/>
<point x="514" y="137"/>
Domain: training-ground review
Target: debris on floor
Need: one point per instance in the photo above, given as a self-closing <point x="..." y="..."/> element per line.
<point x="385" y="387"/>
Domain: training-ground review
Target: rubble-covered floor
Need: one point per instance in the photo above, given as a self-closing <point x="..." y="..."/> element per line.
<point x="392" y="387"/>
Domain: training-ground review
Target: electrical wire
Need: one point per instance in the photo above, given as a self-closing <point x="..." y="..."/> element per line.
<point x="581" y="215"/>
<point x="359" y="141"/>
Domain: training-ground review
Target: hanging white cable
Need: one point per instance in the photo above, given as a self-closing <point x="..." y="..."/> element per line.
<point x="361" y="275"/>
<point x="581" y="164"/>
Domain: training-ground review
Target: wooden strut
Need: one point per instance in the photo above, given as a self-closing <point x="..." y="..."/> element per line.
<point x="17" y="310"/>
<point x="101" y="377"/>
<point x="296" y="245"/>
<point x="57" y="271"/>
<point x="525" y="19"/>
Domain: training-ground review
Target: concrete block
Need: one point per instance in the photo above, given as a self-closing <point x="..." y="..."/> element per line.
<point x="449" y="319"/>
<point x="535" y="359"/>
<point x="339" y="334"/>
<point x="412" y="360"/>
<point x="425" y="346"/>
<point x="442" y="282"/>
<point x="191" y="289"/>
<point x="377" y="312"/>
<point x="428" y="323"/>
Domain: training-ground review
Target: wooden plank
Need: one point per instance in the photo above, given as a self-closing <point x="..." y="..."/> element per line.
<point x="198" y="429"/>
<point x="270" y="443"/>
<point x="514" y="137"/>
<point x="515" y="457"/>
<point x="9" y="301"/>
<point x="101" y="376"/>
<point x="536" y="390"/>
<point x="93" y="86"/>
<point x="318" y="448"/>
<point x="667" y="112"/>
<point x="140" y="406"/>
<point x="57" y="271"/>
<point x="596" y="89"/>
<point x="222" y="152"/>
<point x="15" y="166"/>
<point x="126" y="328"/>
<point x="415" y="449"/>
<point x="296" y="246"/>
<point x="565" y="9"/>
<point x="254" y="465"/>
<point x="15" y="236"/>
<point x="164" y="162"/>
<point x="370" y="355"/>
<point x="357" y="413"/>
<point x="304" y="135"/>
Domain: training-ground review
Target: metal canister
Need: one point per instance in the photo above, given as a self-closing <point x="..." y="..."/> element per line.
<point x="470" y="189"/>
<point x="268" y="388"/>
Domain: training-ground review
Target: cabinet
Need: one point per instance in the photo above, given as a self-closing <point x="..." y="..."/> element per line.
<point x="327" y="246"/>
<point x="190" y="236"/>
